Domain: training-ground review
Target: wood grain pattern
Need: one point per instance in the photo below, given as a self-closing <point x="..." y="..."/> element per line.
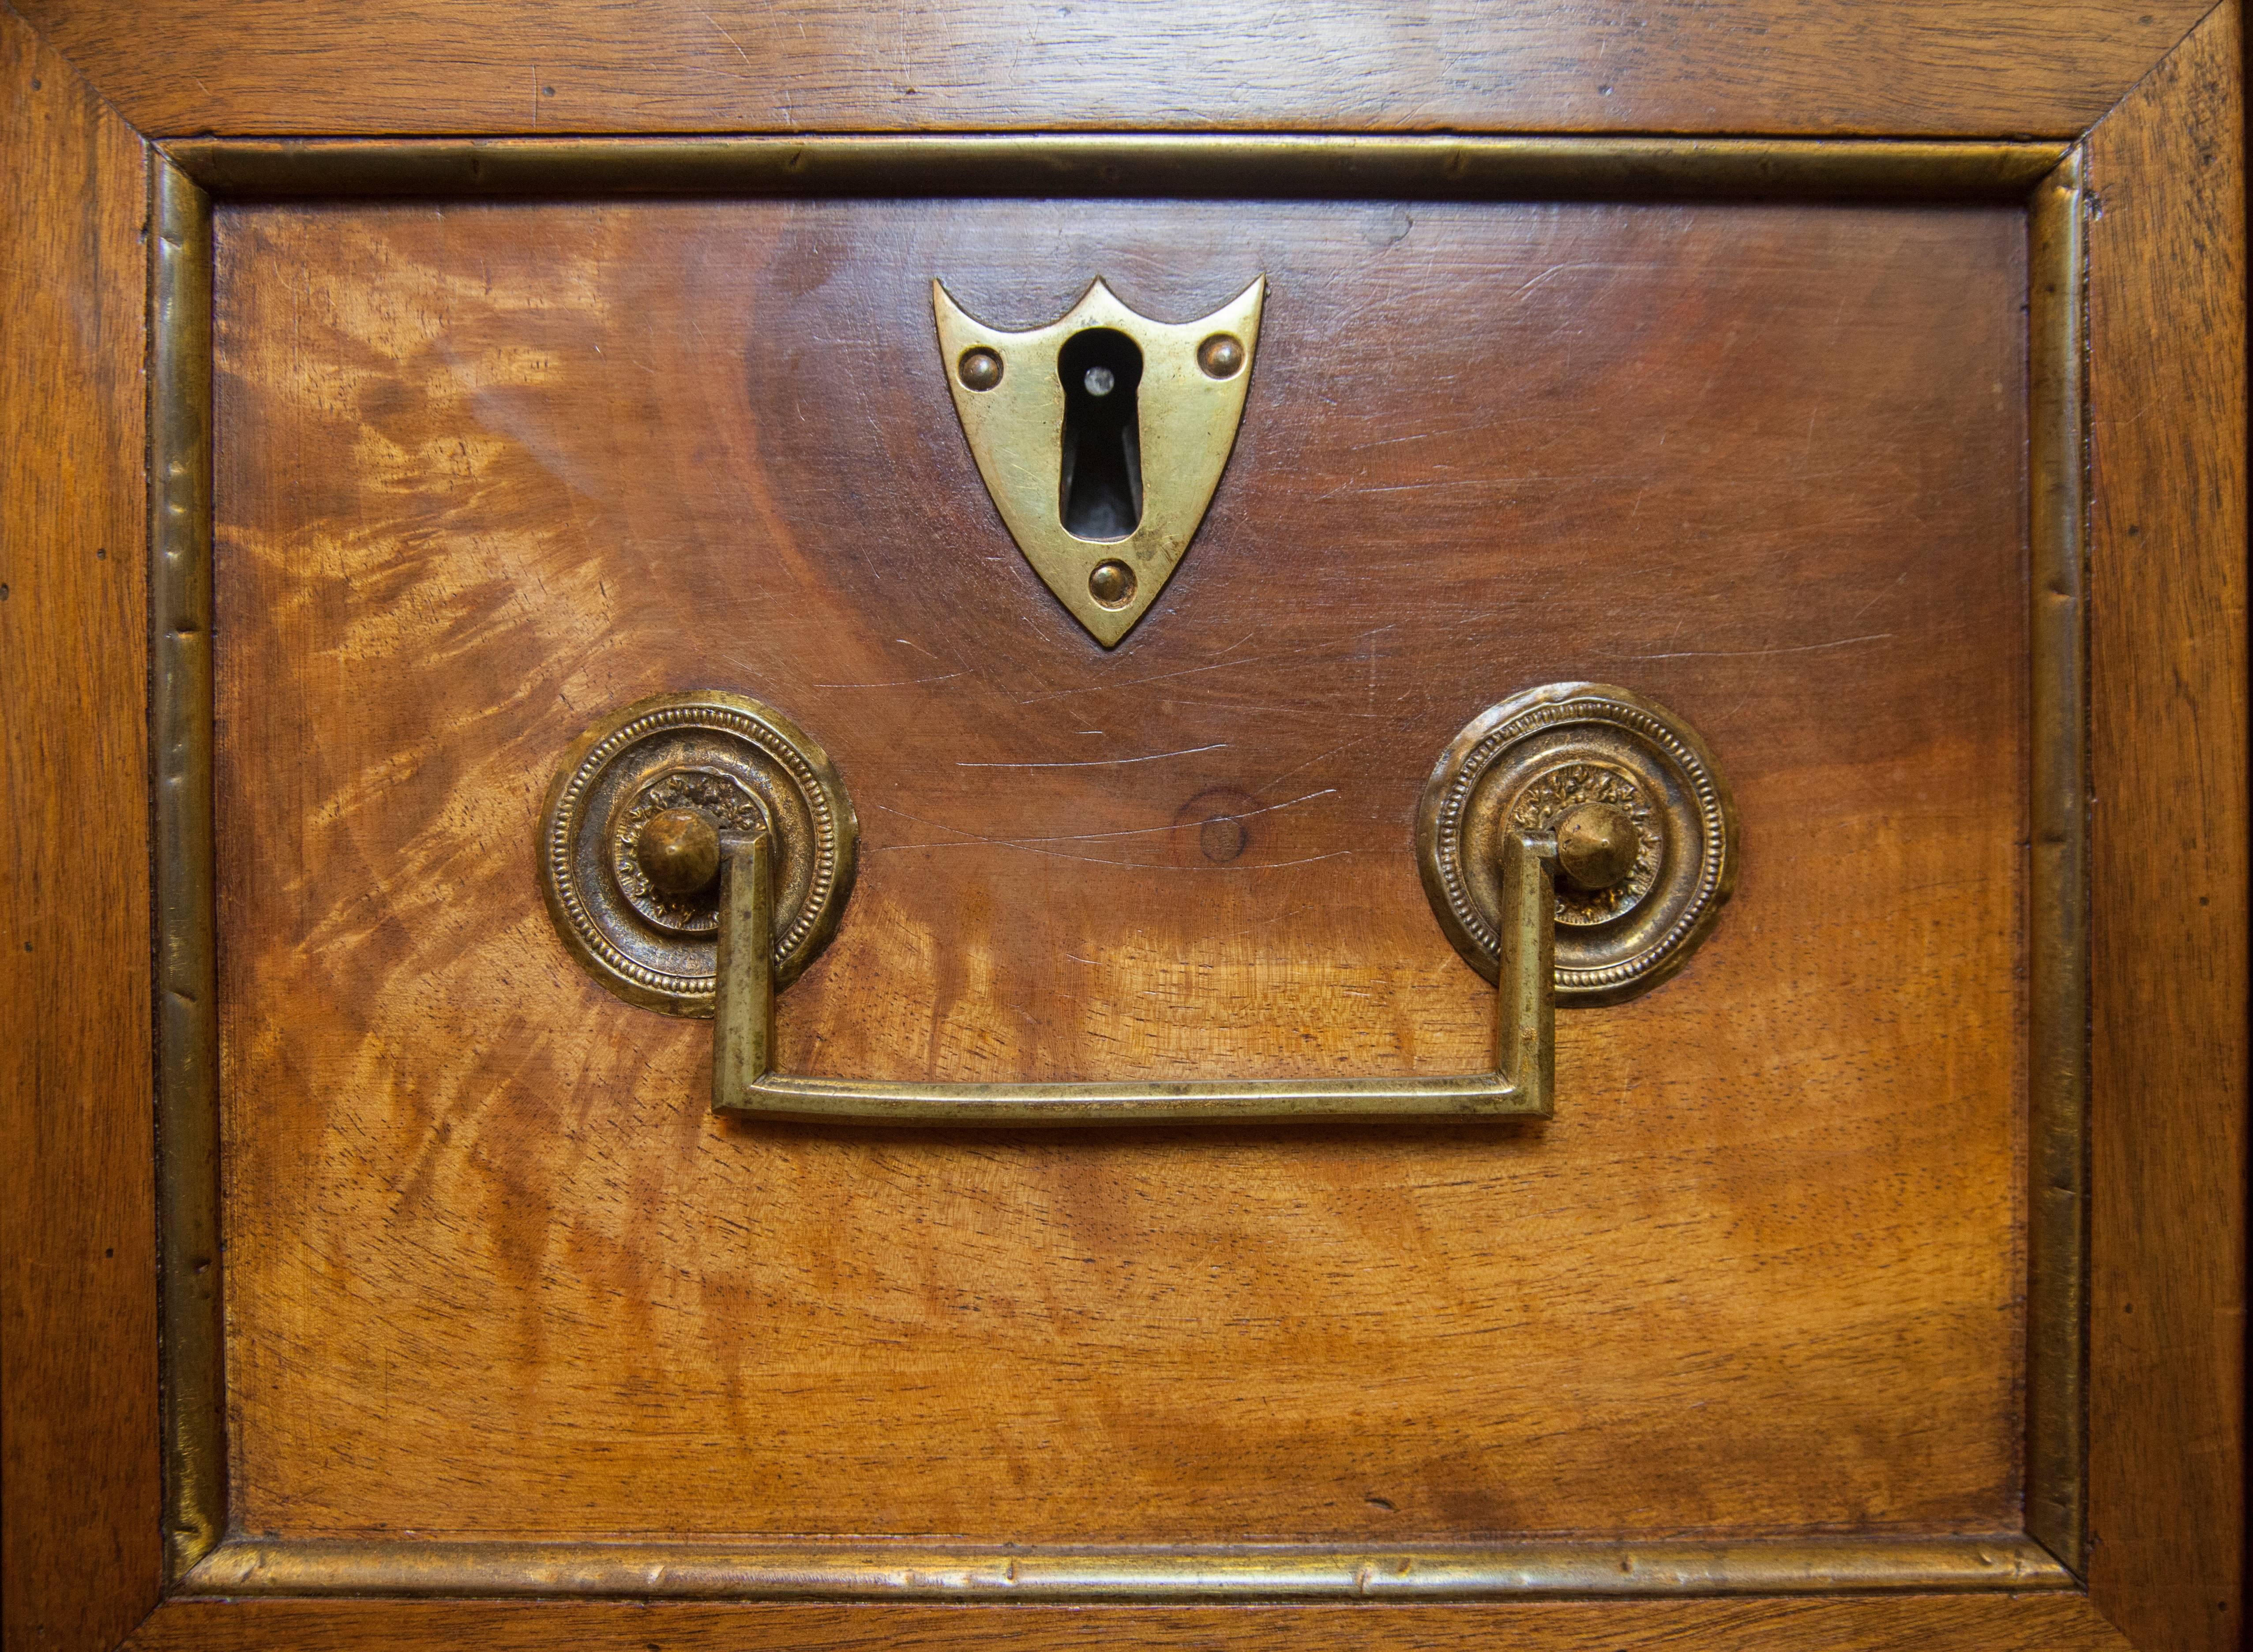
<point x="1977" y="1623"/>
<point x="279" y="66"/>
<point x="487" y="471"/>
<point x="78" y="1554"/>
<point x="2168" y="1151"/>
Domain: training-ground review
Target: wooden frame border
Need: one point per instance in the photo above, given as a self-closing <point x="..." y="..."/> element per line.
<point x="2043" y="176"/>
<point x="2168" y="849"/>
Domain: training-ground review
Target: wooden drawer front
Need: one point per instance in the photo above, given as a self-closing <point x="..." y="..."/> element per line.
<point x="486" y="471"/>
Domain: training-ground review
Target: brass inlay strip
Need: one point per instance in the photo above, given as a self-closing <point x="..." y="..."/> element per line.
<point x="814" y="1569"/>
<point x="186" y="938"/>
<point x="1178" y="165"/>
<point x="2057" y="1198"/>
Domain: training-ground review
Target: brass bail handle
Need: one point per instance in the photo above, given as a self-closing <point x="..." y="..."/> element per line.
<point x="1576" y="842"/>
<point x="743" y="1079"/>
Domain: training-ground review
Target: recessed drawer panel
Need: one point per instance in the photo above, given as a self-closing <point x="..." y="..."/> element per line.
<point x="485" y="472"/>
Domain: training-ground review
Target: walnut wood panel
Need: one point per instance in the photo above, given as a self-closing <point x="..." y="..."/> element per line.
<point x="487" y="471"/>
<point x="275" y="67"/>
<point x="79" y="1544"/>
<point x="1992" y="1623"/>
<point x="2168" y="423"/>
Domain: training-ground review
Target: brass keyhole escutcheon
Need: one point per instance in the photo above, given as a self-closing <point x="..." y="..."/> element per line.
<point x="1101" y="438"/>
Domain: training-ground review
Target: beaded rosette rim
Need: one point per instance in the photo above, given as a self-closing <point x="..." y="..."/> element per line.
<point x="1603" y="711"/>
<point x="567" y="818"/>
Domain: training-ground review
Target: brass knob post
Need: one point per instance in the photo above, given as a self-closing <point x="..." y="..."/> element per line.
<point x="679" y="849"/>
<point x="1596" y="845"/>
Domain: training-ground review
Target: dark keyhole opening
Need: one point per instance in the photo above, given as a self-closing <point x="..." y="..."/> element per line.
<point x="1102" y="495"/>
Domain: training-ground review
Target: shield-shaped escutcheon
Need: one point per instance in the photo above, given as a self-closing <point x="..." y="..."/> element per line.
<point x="1101" y="437"/>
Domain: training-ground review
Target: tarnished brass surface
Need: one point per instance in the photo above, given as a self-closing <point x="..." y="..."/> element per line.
<point x="645" y="798"/>
<point x="186" y="908"/>
<point x="1111" y="584"/>
<point x="679" y="851"/>
<point x="1562" y="753"/>
<point x="979" y="370"/>
<point x="2057" y="1206"/>
<point x="1520" y="1085"/>
<point x="1177" y="165"/>
<point x="1598" y="847"/>
<point x="1014" y="420"/>
<point x="848" y="1570"/>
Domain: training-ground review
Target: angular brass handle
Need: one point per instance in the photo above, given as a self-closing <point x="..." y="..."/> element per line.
<point x="697" y="852"/>
<point x="744" y="1082"/>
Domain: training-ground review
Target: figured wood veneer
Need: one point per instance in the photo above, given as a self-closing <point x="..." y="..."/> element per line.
<point x="486" y="471"/>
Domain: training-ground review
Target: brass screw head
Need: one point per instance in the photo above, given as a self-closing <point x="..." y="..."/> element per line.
<point x="979" y="369"/>
<point x="1221" y="356"/>
<point x="1596" y="845"/>
<point x="680" y="850"/>
<point x="1111" y="584"/>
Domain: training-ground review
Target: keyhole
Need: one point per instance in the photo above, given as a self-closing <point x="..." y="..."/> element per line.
<point x="1101" y="493"/>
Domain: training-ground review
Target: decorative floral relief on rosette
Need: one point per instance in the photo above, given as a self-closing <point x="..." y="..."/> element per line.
<point x="1546" y="798"/>
<point x="733" y="806"/>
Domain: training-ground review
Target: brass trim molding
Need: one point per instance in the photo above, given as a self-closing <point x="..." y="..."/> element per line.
<point x="2058" y="897"/>
<point x="816" y="1569"/>
<point x="1264" y="166"/>
<point x="188" y="175"/>
<point x="187" y="941"/>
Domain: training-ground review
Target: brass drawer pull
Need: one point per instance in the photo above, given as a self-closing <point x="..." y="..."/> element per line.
<point x="1524" y="1023"/>
<point x="1576" y="842"/>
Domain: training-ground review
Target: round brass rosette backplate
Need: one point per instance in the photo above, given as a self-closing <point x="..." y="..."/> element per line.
<point x="746" y="768"/>
<point x="1522" y="766"/>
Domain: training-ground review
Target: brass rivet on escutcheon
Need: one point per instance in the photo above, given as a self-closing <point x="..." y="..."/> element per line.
<point x="979" y="369"/>
<point x="680" y="850"/>
<point x="1111" y="584"/>
<point x="1221" y="356"/>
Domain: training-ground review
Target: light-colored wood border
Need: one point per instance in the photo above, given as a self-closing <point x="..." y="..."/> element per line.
<point x="2166" y="397"/>
<point x="79" y="1551"/>
<point x="1828" y="68"/>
